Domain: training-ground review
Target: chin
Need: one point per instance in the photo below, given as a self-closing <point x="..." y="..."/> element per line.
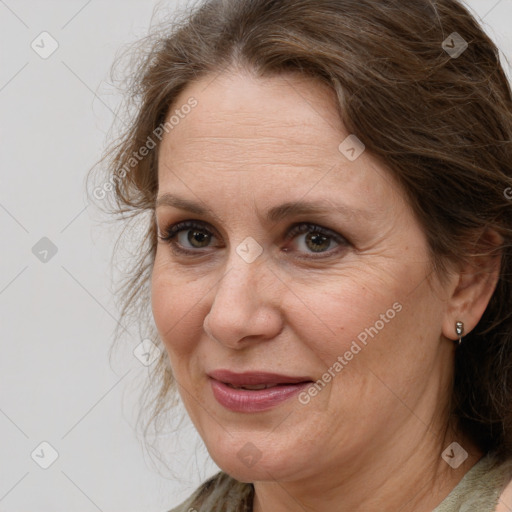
<point x="250" y="461"/>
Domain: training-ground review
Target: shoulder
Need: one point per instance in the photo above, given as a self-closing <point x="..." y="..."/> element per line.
<point x="203" y="490"/>
<point x="220" y="492"/>
<point x="482" y="487"/>
<point x="498" y="478"/>
<point x="505" y="499"/>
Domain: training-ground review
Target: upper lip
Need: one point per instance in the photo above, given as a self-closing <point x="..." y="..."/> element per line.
<point x="254" y="378"/>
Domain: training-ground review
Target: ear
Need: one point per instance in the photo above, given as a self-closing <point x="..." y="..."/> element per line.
<point x="475" y="285"/>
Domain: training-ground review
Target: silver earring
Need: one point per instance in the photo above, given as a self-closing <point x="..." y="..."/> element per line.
<point x="459" y="329"/>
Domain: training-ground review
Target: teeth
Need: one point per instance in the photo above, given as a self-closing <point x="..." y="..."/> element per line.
<point x="253" y="388"/>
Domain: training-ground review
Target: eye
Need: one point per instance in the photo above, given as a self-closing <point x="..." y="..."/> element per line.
<point x="317" y="240"/>
<point x="189" y="236"/>
<point x="196" y="235"/>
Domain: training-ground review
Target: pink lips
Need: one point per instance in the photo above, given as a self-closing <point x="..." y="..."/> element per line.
<point x="280" y="388"/>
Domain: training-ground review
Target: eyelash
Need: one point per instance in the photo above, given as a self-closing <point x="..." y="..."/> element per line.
<point x="172" y="231"/>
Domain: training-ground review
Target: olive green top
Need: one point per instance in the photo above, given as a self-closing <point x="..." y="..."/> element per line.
<point x="478" y="491"/>
<point x="480" y="488"/>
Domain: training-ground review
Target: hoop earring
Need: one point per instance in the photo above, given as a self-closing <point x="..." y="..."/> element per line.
<point x="459" y="329"/>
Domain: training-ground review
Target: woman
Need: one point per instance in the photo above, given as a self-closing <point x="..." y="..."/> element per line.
<point x="329" y="260"/>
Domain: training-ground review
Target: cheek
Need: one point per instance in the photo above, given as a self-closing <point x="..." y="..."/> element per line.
<point x="175" y="305"/>
<point x="362" y="338"/>
<point x="387" y="334"/>
<point x="370" y="327"/>
<point x="335" y="319"/>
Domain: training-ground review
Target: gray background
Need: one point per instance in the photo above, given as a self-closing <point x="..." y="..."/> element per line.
<point x="57" y="316"/>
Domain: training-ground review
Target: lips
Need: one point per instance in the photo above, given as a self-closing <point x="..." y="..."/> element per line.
<point x="256" y="380"/>
<point x="253" y="392"/>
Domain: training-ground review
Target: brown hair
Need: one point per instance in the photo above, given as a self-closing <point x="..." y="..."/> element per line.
<point x="442" y="125"/>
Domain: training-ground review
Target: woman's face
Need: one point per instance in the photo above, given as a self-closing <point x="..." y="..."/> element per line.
<point x="343" y="302"/>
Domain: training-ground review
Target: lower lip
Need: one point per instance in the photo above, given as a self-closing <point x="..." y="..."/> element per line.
<point x="242" y="400"/>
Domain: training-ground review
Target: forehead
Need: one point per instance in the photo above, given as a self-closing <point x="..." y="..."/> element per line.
<point x="241" y="110"/>
<point x="250" y="133"/>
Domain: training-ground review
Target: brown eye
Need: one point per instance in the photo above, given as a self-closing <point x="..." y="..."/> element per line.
<point x="190" y="237"/>
<point x="187" y="236"/>
<point x="318" y="240"/>
<point x="197" y="237"/>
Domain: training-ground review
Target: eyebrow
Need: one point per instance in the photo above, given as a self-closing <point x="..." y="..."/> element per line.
<point x="275" y="214"/>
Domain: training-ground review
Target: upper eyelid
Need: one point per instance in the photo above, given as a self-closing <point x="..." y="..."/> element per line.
<point x="181" y="226"/>
<point x="208" y="227"/>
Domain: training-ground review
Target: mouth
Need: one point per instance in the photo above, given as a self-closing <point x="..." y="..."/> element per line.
<point x="255" y="380"/>
<point x="254" y="388"/>
<point x="254" y="391"/>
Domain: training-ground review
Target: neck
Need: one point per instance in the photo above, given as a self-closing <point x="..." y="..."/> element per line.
<point x="408" y="475"/>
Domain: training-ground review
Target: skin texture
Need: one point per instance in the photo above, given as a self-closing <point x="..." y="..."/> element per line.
<point x="505" y="501"/>
<point x="372" y="438"/>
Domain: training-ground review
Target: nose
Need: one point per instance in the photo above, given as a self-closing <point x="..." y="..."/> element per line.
<point x="245" y="307"/>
